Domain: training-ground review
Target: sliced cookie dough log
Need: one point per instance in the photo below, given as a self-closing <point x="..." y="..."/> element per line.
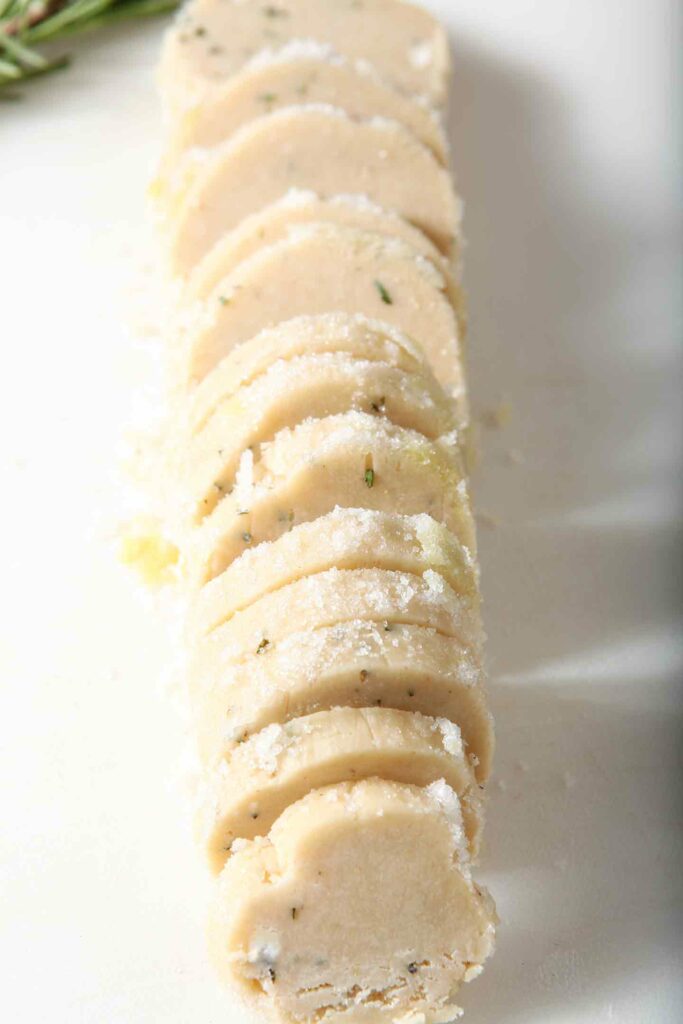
<point x="354" y="335"/>
<point x="213" y="39"/>
<point x="326" y="268"/>
<point x="244" y="796"/>
<point x="346" y="538"/>
<point x="298" y="206"/>
<point x="335" y="596"/>
<point x="307" y="387"/>
<point x="354" y="460"/>
<point x="285" y="925"/>
<point x="318" y="148"/>
<point x="299" y="73"/>
<point x="352" y="664"/>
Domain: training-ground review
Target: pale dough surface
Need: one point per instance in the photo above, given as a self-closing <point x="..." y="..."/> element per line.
<point x="289" y="78"/>
<point x="318" y="148"/>
<point x="212" y="39"/>
<point x="351" y="664"/>
<point x="244" y="795"/>
<point x="348" y="538"/>
<point x="307" y="387"/>
<point x="356" y="335"/>
<point x="391" y="855"/>
<point x="350" y="460"/>
<point x="299" y="206"/>
<point x="334" y="596"/>
<point x="324" y="268"/>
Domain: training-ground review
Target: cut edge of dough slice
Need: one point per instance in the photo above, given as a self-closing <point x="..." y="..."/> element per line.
<point x="406" y="45"/>
<point x="352" y="664"/>
<point x="346" y="538"/>
<point x="304" y="388"/>
<point x="334" y="154"/>
<point x="272" y="223"/>
<point x="288" y="79"/>
<point x="356" y="335"/>
<point x="353" y="460"/>
<point x="284" y="926"/>
<point x="320" y="268"/>
<point x="246" y="793"/>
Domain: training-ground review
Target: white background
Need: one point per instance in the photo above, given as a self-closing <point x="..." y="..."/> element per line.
<point x="563" y="145"/>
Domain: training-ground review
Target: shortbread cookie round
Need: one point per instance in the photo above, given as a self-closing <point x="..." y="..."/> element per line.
<point x="245" y="794"/>
<point x="354" y="460"/>
<point x="285" y="925"/>
<point x="325" y="268"/>
<point x="211" y="40"/>
<point x="307" y="387"/>
<point x="272" y="224"/>
<point x="317" y="148"/>
<point x="346" y="538"/>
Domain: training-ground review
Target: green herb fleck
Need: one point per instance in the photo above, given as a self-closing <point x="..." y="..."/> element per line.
<point x="369" y="477"/>
<point x="247" y="537"/>
<point x="267" y="97"/>
<point x="224" y="300"/>
<point x="200" y="30"/>
<point x="384" y="294"/>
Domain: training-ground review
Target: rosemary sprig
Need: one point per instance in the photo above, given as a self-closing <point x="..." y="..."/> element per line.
<point x="26" y="23"/>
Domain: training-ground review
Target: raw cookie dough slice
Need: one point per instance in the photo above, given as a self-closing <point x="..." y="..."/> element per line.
<point x="296" y="74"/>
<point x="352" y="664"/>
<point x="357" y="336"/>
<point x="346" y="538"/>
<point x="272" y="224"/>
<point x="308" y="387"/>
<point x="340" y="595"/>
<point x="325" y="268"/>
<point x="244" y="796"/>
<point x="213" y="39"/>
<point x="317" y="148"/>
<point x="359" y="906"/>
<point x="354" y="460"/>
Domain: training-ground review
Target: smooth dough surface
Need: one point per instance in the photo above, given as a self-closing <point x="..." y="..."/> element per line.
<point x="351" y="664"/>
<point x="346" y="538"/>
<point x="334" y="596"/>
<point x="357" y="336"/>
<point x="354" y="460"/>
<point x="284" y="928"/>
<point x="245" y="794"/>
<point x="290" y="78"/>
<point x="317" y="148"/>
<point x="324" y="268"/>
<point x="212" y="39"/>
<point x="307" y="387"/>
<point x="272" y="224"/>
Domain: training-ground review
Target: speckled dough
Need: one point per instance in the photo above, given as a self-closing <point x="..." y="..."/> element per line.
<point x="245" y="794"/>
<point x="212" y="39"/>
<point x="307" y="387"/>
<point x="340" y="595"/>
<point x="272" y="224"/>
<point x="317" y="148"/>
<point x="354" y="460"/>
<point x="284" y="927"/>
<point x="289" y="79"/>
<point x="356" y="336"/>
<point x="325" y="268"/>
<point x="346" y="538"/>
<point x="351" y="664"/>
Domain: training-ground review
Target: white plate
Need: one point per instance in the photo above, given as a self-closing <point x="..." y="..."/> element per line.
<point x="561" y="132"/>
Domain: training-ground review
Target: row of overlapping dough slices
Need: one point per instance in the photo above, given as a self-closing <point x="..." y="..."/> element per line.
<point x="318" y="491"/>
